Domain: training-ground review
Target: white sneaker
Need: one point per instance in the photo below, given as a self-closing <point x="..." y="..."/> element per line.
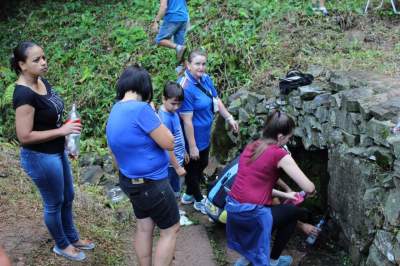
<point x="200" y="206"/>
<point x="323" y="10"/>
<point x="184" y="221"/>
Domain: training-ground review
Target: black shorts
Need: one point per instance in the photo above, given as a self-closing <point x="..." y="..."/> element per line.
<point x="154" y="199"/>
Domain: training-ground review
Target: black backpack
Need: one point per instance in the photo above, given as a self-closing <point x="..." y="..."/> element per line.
<point x="293" y="80"/>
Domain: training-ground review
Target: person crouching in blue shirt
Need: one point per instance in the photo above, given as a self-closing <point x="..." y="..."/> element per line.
<point x="139" y="142"/>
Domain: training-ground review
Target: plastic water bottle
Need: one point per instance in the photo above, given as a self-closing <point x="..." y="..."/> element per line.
<point x="396" y="129"/>
<point x="312" y="238"/>
<point x="72" y="140"/>
<point x="115" y="194"/>
<point x="299" y="199"/>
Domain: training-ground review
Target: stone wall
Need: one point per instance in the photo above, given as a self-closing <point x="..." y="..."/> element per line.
<point x="351" y="114"/>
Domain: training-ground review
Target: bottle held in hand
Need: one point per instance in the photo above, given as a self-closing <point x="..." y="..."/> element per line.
<point x="299" y="199"/>
<point x="312" y="238"/>
<point x="72" y="140"/>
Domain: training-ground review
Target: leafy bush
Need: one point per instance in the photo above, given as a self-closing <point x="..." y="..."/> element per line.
<point x="88" y="43"/>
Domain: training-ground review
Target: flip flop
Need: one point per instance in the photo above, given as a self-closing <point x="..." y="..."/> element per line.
<point x="78" y="257"/>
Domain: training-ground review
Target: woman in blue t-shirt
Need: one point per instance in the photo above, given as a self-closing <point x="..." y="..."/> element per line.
<point x="40" y="130"/>
<point x="200" y="104"/>
<point x="139" y="142"/>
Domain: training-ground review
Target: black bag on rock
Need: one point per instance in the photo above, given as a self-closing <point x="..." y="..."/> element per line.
<point x="293" y="80"/>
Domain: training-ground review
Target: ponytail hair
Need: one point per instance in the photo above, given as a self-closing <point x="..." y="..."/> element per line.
<point x="20" y="55"/>
<point x="276" y="123"/>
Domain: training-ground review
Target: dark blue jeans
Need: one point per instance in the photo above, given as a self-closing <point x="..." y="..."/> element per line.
<point x="52" y="175"/>
<point x="174" y="179"/>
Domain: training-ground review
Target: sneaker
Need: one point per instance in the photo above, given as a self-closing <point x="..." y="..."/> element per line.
<point x="282" y="261"/>
<point x="242" y="261"/>
<point x="323" y="10"/>
<point x="184" y="221"/>
<point x="200" y="206"/>
<point x="180" y="51"/>
<point x="182" y="212"/>
<point x="187" y="199"/>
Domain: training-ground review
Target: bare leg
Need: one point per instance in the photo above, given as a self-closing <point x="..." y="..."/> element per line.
<point x="167" y="43"/>
<point x="4" y="261"/>
<point x="144" y="240"/>
<point x="321" y="3"/>
<point x="166" y="246"/>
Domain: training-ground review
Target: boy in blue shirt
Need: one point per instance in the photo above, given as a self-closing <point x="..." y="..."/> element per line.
<point x="172" y="100"/>
<point x="175" y="17"/>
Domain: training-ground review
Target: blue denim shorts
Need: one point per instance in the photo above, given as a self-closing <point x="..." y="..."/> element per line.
<point x="177" y="30"/>
<point x="153" y="199"/>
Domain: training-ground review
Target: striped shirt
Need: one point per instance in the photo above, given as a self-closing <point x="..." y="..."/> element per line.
<point x="172" y="122"/>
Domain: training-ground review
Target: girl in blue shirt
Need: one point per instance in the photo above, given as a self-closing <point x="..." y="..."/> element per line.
<point x="200" y="104"/>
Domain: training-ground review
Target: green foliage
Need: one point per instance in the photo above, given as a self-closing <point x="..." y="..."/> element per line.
<point x="88" y="44"/>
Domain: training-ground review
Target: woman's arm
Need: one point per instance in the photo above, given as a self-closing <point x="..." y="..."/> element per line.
<point x="189" y="133"/>
<point x="281" y="194"/>
<point x="24" y="115"/>
<point x="227" y="116"/>
<point x="163" y="137"/>
<point x="283" y="185"/>
<point x="288" y="164"/>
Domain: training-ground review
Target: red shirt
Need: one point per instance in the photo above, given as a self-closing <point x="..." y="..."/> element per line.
<point x="255" y="180"/>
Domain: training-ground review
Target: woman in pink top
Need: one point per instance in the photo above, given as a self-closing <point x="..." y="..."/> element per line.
<point x="260" y="165"/>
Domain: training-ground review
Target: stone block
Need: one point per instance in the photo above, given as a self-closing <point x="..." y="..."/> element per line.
<point x="339" y="81"/>
<point x="312" y="122"/>
<point x="351" y="140"/>
<point x="242" y="93"/>
<point x="308" y="108"/>
<point x="383" y="242"/>
<point x="383" y="156"/>
<point x="322" y="114"/>
<point x="394" y="142"/>
<point x="261" y="108"/>
<point x="316" y="70"/>
<point x="351" y="98"/>
<point x="376" y="258"/>
<point x="387" y="110"/>
<point x="309" y="92"/>
<point x="366" y="141"/>
<point x="91" y="174"/>
<point x="234" y="106"/>
<point x="321" y="100"/>
<point x="250" y="108"/>
<point x="296" y="102"/>
<point x="244" y="115"/>
<point x="379" y="131"/>
<point x="343" y="120"/>
<point x="254" y="98"/>
<point x="392" y="210"/>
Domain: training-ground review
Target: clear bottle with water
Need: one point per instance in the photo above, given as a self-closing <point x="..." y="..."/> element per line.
<point x="312" y="238"/>
<point x="115" y="194"/>
<point x="396" y="129"/>
<point x="72" y="140"/>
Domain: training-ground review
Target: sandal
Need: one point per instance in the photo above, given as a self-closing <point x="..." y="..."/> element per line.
<point x="80" y="256"/>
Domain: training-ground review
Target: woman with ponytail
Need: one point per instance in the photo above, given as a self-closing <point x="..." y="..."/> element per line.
<point x="41" y="132"/>
<point x="251" y="215"/>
